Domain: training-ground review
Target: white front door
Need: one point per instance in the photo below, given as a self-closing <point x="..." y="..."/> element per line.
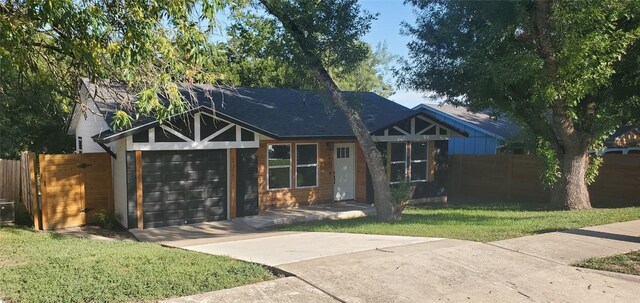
<point x="343" y="168"/>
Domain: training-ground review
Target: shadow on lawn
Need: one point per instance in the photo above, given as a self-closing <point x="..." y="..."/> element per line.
<point x="433" y="219"/>
<point x="495" y="206"/>
<point x="457" y="218"/>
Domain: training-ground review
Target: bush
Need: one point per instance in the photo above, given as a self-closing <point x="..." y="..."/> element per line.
<point x="105" y="220"/>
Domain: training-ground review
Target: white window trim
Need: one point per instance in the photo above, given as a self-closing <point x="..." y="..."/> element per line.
<point x="425" y="161"/>
<point x="307" y="165"/>
<point x="391" y="163"/>
<point x="279" y="166"/>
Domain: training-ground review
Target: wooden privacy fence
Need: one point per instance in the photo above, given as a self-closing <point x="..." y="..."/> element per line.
<point x="74" y="189"/>
<point x="10" y="180"/>
<point x="516" y="178"/>
<point x="28" y="184"/>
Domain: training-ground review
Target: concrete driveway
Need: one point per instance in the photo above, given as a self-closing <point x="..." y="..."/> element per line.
<point x="329" y="267"/>
<point x="278" y="249"/>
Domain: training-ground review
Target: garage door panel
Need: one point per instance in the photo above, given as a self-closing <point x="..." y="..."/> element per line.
<point x="164" y="206"/>
<point x="155" y="216"/>
<point x="160" y="196"/>
<point x="213" y="176"/>
<point x="184" y="186"/>
<point x="162" y="186"/>
<point x="165" y="167"/>
<point x="150" y="177"/>
<point x="164" y="223"/>
<point x="216" y="192"/>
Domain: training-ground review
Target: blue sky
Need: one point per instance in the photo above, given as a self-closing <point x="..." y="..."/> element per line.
<point x="387" y="26"/>
<point x="387" y="29"/>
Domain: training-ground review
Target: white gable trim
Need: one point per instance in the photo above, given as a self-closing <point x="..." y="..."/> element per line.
<point x="461" y="121"/>
<point x="196" y="144"/>
<point x="417" y="135"/>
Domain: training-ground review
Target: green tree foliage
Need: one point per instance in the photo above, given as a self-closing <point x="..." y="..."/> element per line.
<point x="260" y="53"/>
<point x="148" y="45"/>
<point x="31" y="117"/>
<point x="327" y="35"/>
<point x="569" y="70"/>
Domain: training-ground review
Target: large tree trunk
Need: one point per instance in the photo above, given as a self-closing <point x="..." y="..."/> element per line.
<point x="386" y="208"/>
<point x="570" y="191"/>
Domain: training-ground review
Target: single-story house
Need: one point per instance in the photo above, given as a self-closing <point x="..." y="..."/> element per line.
<point x="240" y="150"/>
<point x="487" y="135"/>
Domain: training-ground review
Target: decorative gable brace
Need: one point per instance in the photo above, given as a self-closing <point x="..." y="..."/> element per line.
<point x="416" y="128"/>
<point x="198" y="131"/>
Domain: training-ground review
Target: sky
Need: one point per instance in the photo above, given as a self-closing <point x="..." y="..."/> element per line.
<point x="387" y="29"/>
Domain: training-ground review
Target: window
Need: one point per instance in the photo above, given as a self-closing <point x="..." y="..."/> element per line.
<point x="419" y="163"/>
<point x="279" y="166"/>
<point x="79" y="145"/>
<point x="398" y="161"/>
<point x="342" y="152"/>
<point x="306" y="165"/>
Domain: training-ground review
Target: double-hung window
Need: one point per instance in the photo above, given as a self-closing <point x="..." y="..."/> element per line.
<point x="398" y="160"/>
<point x="279" y="166"/>
<point x="419" y="163"/>
<point x="306" y="165"/>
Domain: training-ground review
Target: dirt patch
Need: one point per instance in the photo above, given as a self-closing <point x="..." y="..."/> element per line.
<point x="115" y="233"/>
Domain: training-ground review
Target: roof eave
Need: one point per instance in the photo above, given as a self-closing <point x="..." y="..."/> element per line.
<point x="463" y="121"/>
<point x="143" y="127"/>
<point x="417" y="112"/>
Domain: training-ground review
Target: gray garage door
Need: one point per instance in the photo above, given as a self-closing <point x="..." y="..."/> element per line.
<point x="184" y="187"/>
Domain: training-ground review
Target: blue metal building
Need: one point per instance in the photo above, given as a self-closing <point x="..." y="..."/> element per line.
<point x="487" y="135"/>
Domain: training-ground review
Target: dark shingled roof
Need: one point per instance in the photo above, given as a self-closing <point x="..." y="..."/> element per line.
<point x="502" y="126"/>
<point x="280" y="113"/>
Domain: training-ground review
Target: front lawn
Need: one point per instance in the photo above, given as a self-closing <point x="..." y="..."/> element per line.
<point x="476" y="223"/>
<point x="628" y="263"/>
<point x="47" y="267"/>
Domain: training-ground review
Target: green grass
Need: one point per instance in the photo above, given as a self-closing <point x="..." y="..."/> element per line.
<point x="476" y="223"/>
<point x="48" y="267"/>
<point x="628" y="263"/>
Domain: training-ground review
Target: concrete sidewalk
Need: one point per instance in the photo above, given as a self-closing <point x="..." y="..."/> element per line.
<point x="527" y="269"/>
<point x="571" y="246"/>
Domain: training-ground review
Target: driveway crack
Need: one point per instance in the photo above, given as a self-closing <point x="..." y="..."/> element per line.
<point x="321" y="289"/>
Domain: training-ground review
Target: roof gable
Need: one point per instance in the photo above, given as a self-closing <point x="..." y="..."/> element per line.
<point x="501" y="128"/>
<point x="279" y="113"/>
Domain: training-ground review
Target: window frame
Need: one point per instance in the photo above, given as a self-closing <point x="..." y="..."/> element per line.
<point x="307" y="165"/>
<point x="279" y="166"/>
<point x="425" y="161"/>
<point x="391" y="162"/>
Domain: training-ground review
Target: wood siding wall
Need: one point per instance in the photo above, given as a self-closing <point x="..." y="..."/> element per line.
<point x="323" y="193"/>
<point x="74" y="188"/>
<point x="516" y="178"/>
